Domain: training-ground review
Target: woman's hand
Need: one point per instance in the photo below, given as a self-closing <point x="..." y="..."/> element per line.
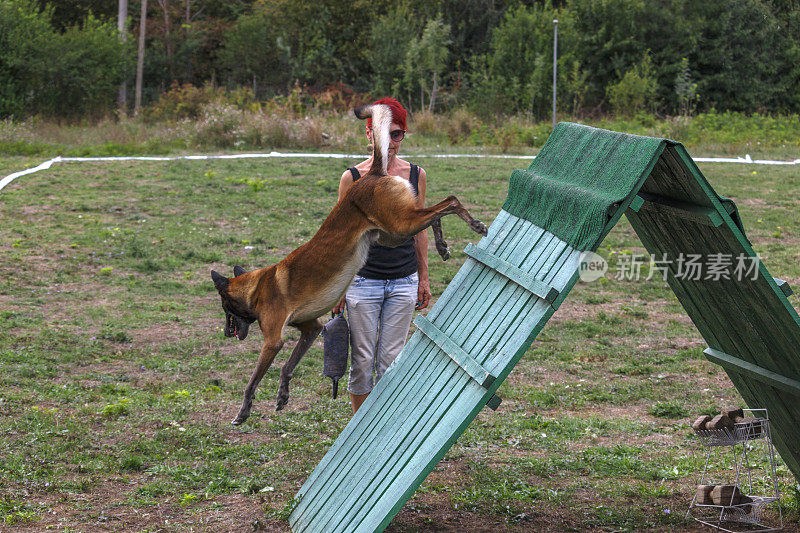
<point x="340" y="306"/>
<point x="423" y="294"/>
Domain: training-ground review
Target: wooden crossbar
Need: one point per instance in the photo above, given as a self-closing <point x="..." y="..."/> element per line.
<point x="756" y="372"/>
<point x="661" y="204"/>
<point x="515" y="274"/>
<point x="475" y="370"/>
<point x="494" y="402"/>
<point x="784" y="287"/>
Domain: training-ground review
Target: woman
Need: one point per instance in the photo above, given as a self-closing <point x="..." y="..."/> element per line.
<point x="394" y="281"/>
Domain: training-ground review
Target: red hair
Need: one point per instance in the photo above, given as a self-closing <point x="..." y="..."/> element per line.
<point x="399" y="113"/>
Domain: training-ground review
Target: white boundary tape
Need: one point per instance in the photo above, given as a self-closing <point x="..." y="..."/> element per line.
<point x="47" y="164"/>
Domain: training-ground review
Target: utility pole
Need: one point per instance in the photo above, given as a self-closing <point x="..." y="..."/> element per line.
<point x="122" y="18"/>
<point x="140" y="62"/>
<point x="555" y="67"/>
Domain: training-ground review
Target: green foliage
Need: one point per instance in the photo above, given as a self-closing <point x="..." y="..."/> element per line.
<point x="669" y="409"/>
<point x="26" y="49"/>
<point x="736" y="64"/>
<point x="390" y="37"/>
<point x="635" y="90"/>
<point x="113" y="410"/>
<point x="520" y="62"/>
<point x="686" y="89"/>
<point x="14" y="511"/>
<point x="425" y="60"/>
<point x="65" y="59"/>
<point x="432" y="54"/>
<point x="251" y="54"/>
<point x="74" y="73"/>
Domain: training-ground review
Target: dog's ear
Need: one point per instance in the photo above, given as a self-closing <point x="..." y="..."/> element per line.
<point x="238" y="271"/>
<point x="220" y="281"/>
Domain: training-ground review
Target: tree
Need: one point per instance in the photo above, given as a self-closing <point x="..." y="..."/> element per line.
<point x="635" y="90"/>
<point x="164" y="5"/>
<point x="26" y="48"/>
<point x="685" y="89"/>
<point x="68" y="13"/>
<point x="391" y="34"/>
<point x="433" y="54"/>
<point x="250" y="53"/>
<point x="91" y="64"/>
<point x="736" y="60"/>
<point x="74" y="73"/>
<point x="520" y="61"/>
<point x="140" y="58"/>
<point x="122" y="21"/>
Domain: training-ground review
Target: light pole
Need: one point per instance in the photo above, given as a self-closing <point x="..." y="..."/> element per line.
<point x="555" y="67"/>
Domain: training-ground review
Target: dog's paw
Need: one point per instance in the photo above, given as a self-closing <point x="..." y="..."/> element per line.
<point x="283" y="399"/>
<point x="444" y="251"/>
<point x="479" y="227"/>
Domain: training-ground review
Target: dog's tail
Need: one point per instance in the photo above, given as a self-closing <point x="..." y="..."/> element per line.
<point x="381" y="124"/>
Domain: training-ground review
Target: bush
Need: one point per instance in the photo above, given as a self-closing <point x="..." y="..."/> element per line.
<point x="71" y="74"/>
<point x="636" y="89"/>
<point x="219" y="124"/>
<point x="26" y="48"/>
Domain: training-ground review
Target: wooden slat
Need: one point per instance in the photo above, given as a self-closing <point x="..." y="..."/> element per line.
<point x="518" y="276"/>
<point x="763" y="375"/>
<point x="455" y="352"/>
<point x="499" y="298"/>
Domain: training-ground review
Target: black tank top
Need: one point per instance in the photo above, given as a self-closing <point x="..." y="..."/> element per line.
<point x="391" y="263"/>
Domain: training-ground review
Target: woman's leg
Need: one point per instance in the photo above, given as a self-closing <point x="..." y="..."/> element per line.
<point x="364" y="301"/>
<point x="396" y="315"/>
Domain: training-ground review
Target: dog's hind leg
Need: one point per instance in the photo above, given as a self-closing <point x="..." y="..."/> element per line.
<point x="308" y="332"/>
<point x="272" y="345"/>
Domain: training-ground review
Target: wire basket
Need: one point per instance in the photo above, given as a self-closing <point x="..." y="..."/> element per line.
<point x="747" y="516"/>
<point x="741" y="432"/>
<point x="744" y="514"/>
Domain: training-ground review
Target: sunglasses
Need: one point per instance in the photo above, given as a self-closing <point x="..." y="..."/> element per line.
<point x="397" y="135"/>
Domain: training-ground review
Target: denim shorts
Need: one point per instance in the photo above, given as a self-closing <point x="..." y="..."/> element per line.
<point x="379" y="312"/>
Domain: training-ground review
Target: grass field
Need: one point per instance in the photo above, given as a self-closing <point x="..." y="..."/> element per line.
<point x="117" y="385"/>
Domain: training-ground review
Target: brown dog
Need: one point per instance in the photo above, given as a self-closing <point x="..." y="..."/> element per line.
<point x="311" y="280"/>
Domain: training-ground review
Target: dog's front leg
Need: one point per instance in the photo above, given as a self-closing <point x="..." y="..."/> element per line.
<point x="268" y="353"/>
<point x="438" y="239"/>
<point x="308" y="332"/>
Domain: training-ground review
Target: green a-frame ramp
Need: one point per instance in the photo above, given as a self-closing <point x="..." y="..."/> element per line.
<point x="574" y="192"/>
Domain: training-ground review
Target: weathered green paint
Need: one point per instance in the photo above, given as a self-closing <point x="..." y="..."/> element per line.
<point x="573" y="194"/>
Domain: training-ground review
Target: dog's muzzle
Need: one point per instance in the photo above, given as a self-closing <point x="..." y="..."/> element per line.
<point x="235" y="327"/>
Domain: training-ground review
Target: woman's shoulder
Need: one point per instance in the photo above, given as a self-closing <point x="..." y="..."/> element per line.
<point x="362" y="167"/>
<point x="401" y="168"/>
